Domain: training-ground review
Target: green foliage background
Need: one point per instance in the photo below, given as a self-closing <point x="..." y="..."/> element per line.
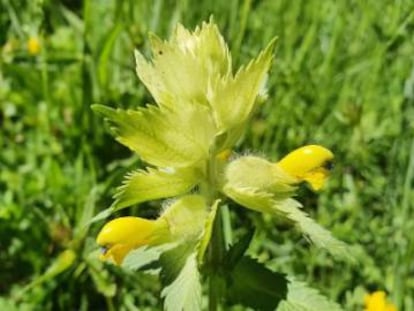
<point x="343" y="77"/>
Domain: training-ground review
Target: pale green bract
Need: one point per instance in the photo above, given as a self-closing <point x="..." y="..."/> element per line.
<point x="202" y="108"/>
<point x="186" y="217"/>
<point x="151" y="184"/>
<point x="233" y="98"/>
<point x="196" y="67"/>
<point x="186" y="66"/>
<point x="164" y="137"/>
<point x="267" y="176"/>
<point x="270" y="191"/>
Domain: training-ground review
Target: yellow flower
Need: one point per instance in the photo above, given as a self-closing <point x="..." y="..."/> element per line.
<point x="377" y="302"/>
<point x="33" y="45"/>
<point x="119" y="236"/>
<point x="310" y="163"/>
<point x="182" y="220"/>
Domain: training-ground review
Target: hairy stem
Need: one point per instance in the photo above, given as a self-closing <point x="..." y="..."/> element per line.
<point x="217" y="247"/>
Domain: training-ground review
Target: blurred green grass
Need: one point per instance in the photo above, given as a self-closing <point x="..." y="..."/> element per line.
<point x="343" y="77"/>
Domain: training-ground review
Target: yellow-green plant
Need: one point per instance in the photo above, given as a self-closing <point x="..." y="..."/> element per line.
<point x="201" y="110"/>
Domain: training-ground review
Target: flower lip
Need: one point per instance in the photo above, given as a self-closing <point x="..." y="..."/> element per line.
<point x="123" y="234"/>
<point x="311" y="163"/>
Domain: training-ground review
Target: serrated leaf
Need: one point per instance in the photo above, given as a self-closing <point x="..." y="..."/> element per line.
<point x="270" y="192"/>
<point x="145" y="256"/>
<point x="173" y="261"/>
<point x="182" y="279"/>
<point x="320" y="236"/>
<point x="151" y="184"/>
<point x="164" y="137"/>
<point x="237" y="250"/>
<point x="192" y="58"/>
<point x="300" y="297"/>
<point x="252" y="284"/>
<point x="208" y="229"/>
<point x="233" y="98"/>
<point x="289" y="208"/>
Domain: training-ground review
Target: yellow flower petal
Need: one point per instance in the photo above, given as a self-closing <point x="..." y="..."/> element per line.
<point x="123" y="234"/>
<point x="317" y="178"/>
<point x="117" y="253"/>
<point x="377" y="302"/>
<point x="309" y="163"/>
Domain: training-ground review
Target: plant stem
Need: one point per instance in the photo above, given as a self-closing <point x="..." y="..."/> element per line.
<point x="213" y="301"/>
<point x="217" y="246"/>
<point x="216" y="257"/>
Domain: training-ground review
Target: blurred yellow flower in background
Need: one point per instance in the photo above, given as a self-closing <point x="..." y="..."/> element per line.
<point x="33" y="45"/>
<point x="377" y="302"/>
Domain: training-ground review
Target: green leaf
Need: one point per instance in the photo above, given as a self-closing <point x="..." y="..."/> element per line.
<point x="60" y="264"/>
<point x="102" y="278"/>
<point x="317" y="234"/>
<point x="100" y="216"/>
<point x="7" y="303"/>
<point x="86" y="215"/>
<point x="233" y="98"/>
<point x="181" y="278"/>
<point x="145" y="256"/>
<point x="236" y="251"/>
<point x="302" y="298"/>
<point x="208" y="229"/>
<point x="105" y="53"/>
<point x="252" y="284"/>
<point x="173" y="261"/>
<point x="161" y="136"/>
<point x="140" y="186"/>
<point x="184" y="66"/>
<point x="270" y="192"/>
<point x="289" y="208"/>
